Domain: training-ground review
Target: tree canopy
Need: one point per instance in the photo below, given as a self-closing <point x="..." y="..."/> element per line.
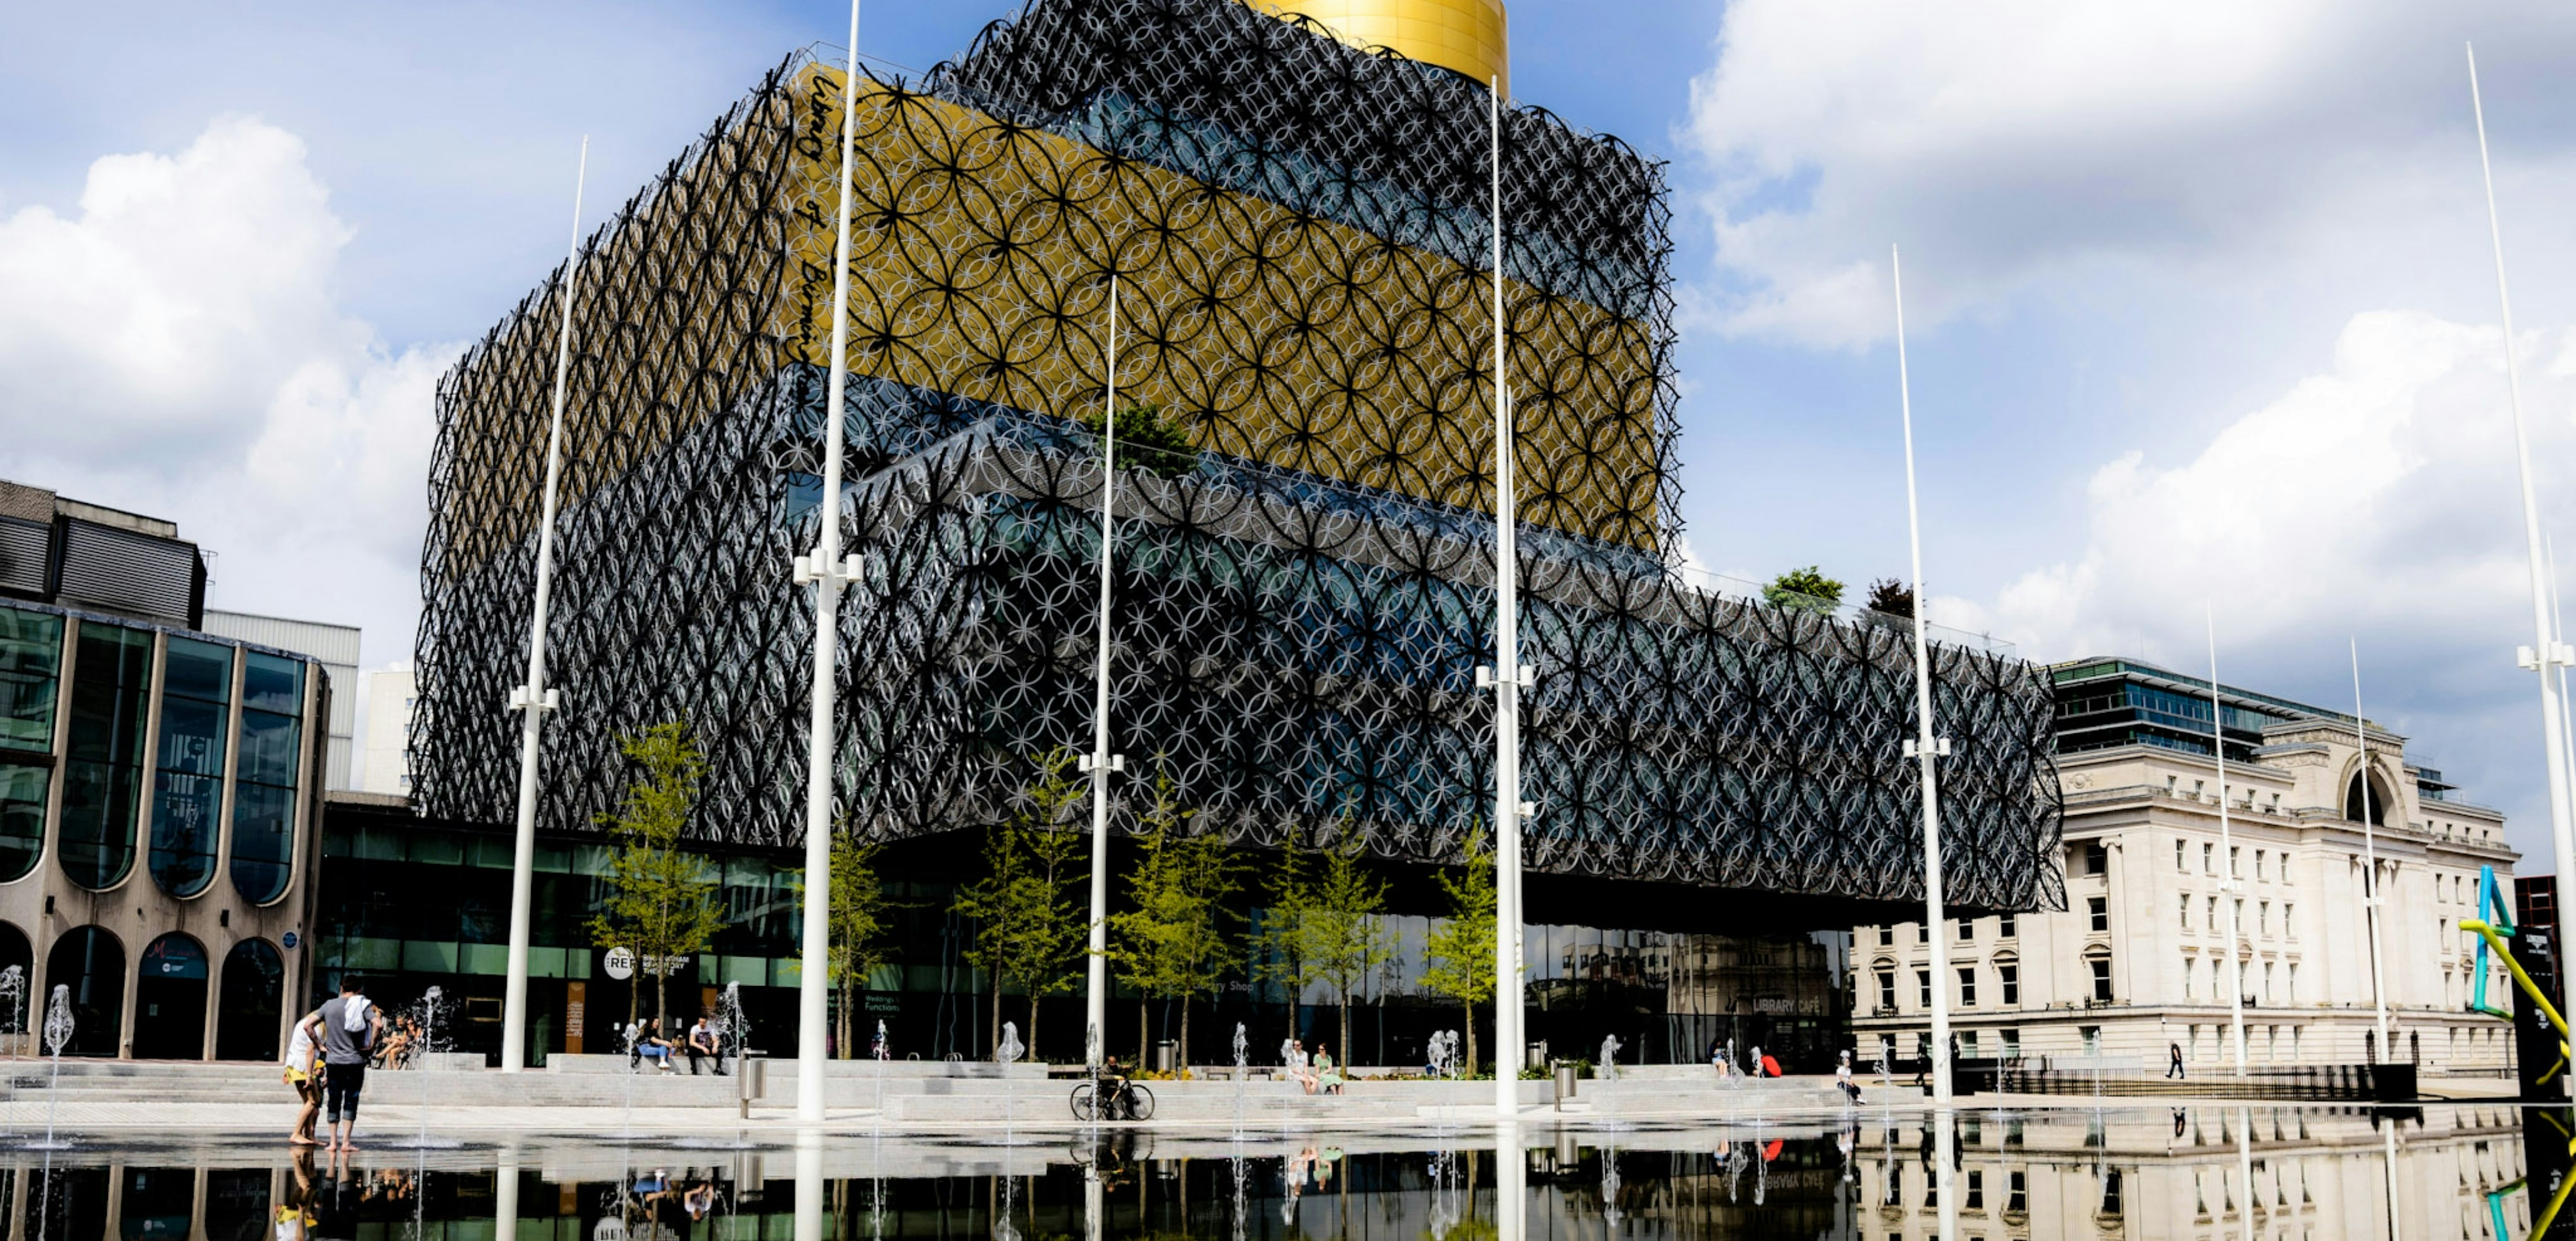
<point x="1148" y="440"/>
<point x="661" y="902"/>
<point x="1804" y="590"/>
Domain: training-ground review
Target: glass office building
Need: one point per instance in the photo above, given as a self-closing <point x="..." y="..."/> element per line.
<point x="158" y="800"/>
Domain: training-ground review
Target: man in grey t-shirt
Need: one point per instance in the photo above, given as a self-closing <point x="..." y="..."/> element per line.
<point x="350" y="1028"/>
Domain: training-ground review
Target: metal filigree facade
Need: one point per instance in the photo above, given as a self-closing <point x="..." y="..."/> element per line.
<point x="1300" y="238"/>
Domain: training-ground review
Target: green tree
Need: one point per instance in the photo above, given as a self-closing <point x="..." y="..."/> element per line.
<point x="1051" y="911"/>
<point x="1171" y="943"/>
<point x="1029" y="927"/>
<point x="1342" y="936"/>
<point x="993" y="902"/>
<point x="1278" y="946"/>
<point x="1890" y="597"/>
<point x="1149" y="441"/>
<point x="1458" y="958"/>
<point x="1804" y="590"/>
<point x="858" y="918"/>
<point x="661" y="902"/>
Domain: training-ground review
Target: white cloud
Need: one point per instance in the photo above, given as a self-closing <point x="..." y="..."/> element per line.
<point x="177" y="347"/>
<point x="2379" y="495"/>
<point x="2021" y="146"/>
<point x="2376" y="500"/>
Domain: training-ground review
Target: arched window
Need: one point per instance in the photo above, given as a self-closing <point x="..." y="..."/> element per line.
<point x="247" y="1013"/>
<point x="188" y="788"/>
<point x="2352" y="800"/>
<point x="264" y="787"/>
<point x="2008" y="979"/>
<point x="170" y="1000"/>
<point x="15" y="954"/>
<point x="103" y="773"/>
<point x="90" y="964"/>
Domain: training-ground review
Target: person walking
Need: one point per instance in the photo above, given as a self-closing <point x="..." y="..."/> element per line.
<point x="2173" y="1068"/>
<point x="350" y="1028"/>
<point x="304" y="1072"/>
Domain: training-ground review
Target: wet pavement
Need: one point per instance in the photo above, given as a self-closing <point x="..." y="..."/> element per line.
<point x="1988" y="1174"/>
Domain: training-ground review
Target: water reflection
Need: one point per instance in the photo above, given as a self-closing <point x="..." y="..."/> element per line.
<point x="2220" y="1172"/>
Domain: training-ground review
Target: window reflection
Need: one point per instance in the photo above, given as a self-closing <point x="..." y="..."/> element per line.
<point x="265" y="774"/>
<point x="103" y="773"/>
<point x="188" y="790"/>
<point x="31" y="651"/>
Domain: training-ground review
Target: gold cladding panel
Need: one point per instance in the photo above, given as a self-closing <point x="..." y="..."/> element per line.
<point x="978" y="268"/>
<point x="1471" y="37"/>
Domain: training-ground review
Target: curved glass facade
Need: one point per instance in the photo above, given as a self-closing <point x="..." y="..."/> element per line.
<point x="188" y="788"/>
<point x="265" y="775"/>
<point x="31" y="654"/>
<point x="103" y="780"/>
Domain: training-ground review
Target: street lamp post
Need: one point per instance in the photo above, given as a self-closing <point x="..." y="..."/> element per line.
<point x="1507" y="678"/>
<point x="828" y="572"/>
<point x="2548" y="654"/>
<point x="1100" y="763"/>
<point x="1925" y="748"/>
<point x="2227" y="850"/>
<point x="533" y="700"/>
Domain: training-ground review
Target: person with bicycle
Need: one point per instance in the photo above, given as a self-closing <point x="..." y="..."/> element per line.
<point x="1110" y="1095"/>
<point x="1113" y="1095"/>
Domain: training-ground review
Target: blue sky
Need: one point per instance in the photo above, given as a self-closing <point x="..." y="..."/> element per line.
<point x="2201" y="302"/>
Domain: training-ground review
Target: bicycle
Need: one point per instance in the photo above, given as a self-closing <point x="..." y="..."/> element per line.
<point x="1136" y="1102"/>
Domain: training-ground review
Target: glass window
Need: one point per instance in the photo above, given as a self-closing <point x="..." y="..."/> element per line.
<point x="2101" y="967"/>
<point x="265" y="775"/>
<point x="1923" y="987"/>
<point x="1967" y="986"/>
<point x="1886" y="990"/>
<point x="103" y="776"/>
<point x="188" y="788"/>
<point x="22" y="817"/>
<point x="31" y="653"/>
<point x="2008" y="976"/>
<point x="2099" y="910"/>
<point x="2005" y="927"/>
<point x="1967" y="929"/>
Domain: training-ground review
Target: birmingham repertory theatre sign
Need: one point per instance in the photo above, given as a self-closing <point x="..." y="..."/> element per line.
<point x="1300" y="234"/>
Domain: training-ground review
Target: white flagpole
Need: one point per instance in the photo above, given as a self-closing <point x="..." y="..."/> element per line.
<point x="1508" y="678"/>
<point x="1100" y="762"/>
<point x="1925" y="748"/>
<point x="2226" y="849"/>
<point x="2549" y="654"/>
<point x="829" y="573"/>
<point x="2370" y="861"/>
<point x="533" y="700"/>
<point x="2558" y="627"/>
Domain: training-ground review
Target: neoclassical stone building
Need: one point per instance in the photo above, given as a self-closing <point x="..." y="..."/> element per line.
<point x="2137" y="960"/>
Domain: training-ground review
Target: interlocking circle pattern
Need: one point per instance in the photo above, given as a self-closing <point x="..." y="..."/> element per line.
<point x="1301" y="239"/>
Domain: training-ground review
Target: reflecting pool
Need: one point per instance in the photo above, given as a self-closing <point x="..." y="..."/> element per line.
<point x="2201" y="1172"/>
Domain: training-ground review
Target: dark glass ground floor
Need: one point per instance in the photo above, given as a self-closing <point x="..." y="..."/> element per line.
<point x="1668" y="971"/>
